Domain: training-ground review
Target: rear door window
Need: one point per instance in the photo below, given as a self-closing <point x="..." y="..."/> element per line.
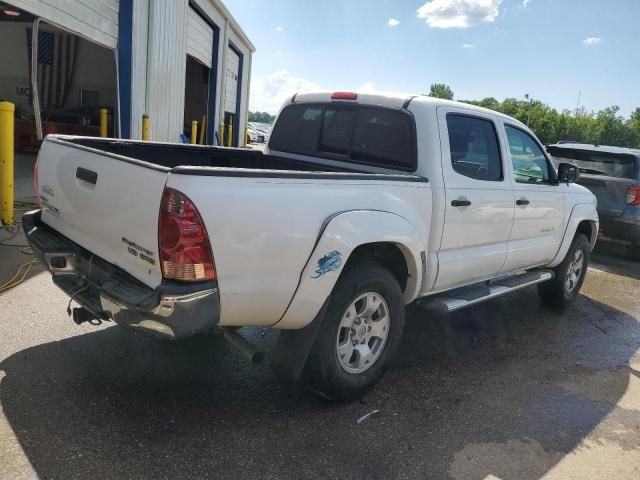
<point x="598" y="163"/>
<point x="473" y="143"/>
<point x="359" y="134"/>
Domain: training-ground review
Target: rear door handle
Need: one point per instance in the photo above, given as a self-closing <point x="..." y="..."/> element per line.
<point x="460" y="203"/>
<point x="522" y="202"/>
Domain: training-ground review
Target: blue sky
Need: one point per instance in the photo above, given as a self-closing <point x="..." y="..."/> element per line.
<point x="550" y="49"/>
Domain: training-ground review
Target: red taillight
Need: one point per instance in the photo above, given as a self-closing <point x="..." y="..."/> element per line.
<point x="36" y="184"/>
<point x="185" y="251"/>
<point x="633" y="195"/>
<point x="344" y="96"/>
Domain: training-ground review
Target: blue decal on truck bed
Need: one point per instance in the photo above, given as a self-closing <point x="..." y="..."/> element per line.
<point x="329" y="263"/>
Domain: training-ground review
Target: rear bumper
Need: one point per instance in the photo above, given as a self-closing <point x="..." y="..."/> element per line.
<point x="172" y="310"/>
<point x="625" y="228"/>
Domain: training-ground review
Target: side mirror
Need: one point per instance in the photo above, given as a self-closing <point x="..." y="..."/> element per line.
<point x="568" y="173"/>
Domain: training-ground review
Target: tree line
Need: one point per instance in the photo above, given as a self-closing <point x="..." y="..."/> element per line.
<point x="604" y="127"/>
<point x="262" y="117"/>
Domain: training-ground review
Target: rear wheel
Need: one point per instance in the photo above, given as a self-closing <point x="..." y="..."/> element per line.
<point x="360" y="333"/>
<point x="569" y="275"/>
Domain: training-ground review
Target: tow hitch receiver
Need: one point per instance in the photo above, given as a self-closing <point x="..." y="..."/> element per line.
<point x="81" y="315"/>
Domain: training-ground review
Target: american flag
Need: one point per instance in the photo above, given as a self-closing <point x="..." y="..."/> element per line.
<point x="57" y="54"/>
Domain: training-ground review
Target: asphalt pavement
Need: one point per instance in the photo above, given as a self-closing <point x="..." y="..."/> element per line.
<point x="508" y="389"/>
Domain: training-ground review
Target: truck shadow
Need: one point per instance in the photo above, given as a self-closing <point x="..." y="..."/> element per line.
<point x="119" y="405"/>
<point x="612" y="257"/>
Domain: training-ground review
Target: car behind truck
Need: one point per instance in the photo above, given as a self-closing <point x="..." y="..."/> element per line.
<point x="360" y="204"/>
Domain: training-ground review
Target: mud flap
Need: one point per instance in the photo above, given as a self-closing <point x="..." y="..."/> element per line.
<point x="293" y="347"/>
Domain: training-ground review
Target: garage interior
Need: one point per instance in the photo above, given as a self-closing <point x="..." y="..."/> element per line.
<point x="75" y="78"/>
<point x="196" y="98"/>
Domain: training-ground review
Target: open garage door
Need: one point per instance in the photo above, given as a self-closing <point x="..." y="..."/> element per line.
<point x="198" y="73"/>
<point x="96" y="20"/>
<point x="75" y="78"/>
<point x="199" y="38"/>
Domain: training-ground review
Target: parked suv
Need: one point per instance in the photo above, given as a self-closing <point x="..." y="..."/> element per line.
<point x="613" y="175"/>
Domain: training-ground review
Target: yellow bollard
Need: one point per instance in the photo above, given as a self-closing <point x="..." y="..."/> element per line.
<point x="7" y="110"/>
<point x="221" y="134"/>
<point x="246" y="136"/>
<point x="194" y="132"/>
<point x="103" y="122"/>
<point x="230" y="134"/>
<point x="146" y="127"/>
<point x="204" y="121"/>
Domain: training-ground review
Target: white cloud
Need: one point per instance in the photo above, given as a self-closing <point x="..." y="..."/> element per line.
<point x="269" y="93"/>
<point x="468" y="45"/>
<point x="368" y="87"/>
<point x="592" y="40"/>
<point x="525" y="3"/>
<point x="279" y="28"/>
<point x="393" y="22"/>
<point x="459" y="13"/>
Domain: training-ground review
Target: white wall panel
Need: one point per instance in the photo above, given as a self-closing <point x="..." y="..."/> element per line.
<point x="199" y="38"/>
<point x="96" y="20"/>
<point x="140" y="36"/>
<point x="166" y="68"/>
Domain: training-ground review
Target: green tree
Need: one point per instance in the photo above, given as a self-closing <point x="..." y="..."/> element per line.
<point x="441" y="90"/>
<point x="262" y="117"/>
<point x="634" y="124"/>
<point x="605" y="127"/>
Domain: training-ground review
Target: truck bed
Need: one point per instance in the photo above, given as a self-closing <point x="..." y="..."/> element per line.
<point x="172" y="155"/>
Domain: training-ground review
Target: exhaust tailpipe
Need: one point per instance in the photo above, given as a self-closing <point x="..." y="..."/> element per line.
<point x="249" y="350"/>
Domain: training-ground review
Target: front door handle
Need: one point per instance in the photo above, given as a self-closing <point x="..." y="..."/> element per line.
<point x="522" y="202"/>
<point x="461" y="202"/>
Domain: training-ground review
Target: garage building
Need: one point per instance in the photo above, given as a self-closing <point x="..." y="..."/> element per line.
<point x="173" y="60"/>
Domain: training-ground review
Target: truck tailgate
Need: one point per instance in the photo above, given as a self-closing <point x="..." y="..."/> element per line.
<point x="106" y="203"/>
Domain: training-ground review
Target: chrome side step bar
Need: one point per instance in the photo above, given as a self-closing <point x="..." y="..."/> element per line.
<point x="481" y="292"/>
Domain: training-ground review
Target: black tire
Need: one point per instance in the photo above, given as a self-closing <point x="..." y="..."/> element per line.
<point x="323" y="372"/>
<point x="556" y="292"/>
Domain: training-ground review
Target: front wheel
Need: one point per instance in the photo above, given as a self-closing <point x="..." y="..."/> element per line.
<point x="360" y="333"/>
<point x="569" y="275"/>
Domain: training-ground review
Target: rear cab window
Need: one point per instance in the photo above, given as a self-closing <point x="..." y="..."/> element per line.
<point x="619" y="165"/>
<point x="359" y="134"/>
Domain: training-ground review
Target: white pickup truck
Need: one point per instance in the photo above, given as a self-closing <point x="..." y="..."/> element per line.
<point x="361" y="204"/>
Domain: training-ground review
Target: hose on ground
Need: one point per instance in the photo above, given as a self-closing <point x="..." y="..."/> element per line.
<point x="19" y="277"/>
<point x="23" y="270"/>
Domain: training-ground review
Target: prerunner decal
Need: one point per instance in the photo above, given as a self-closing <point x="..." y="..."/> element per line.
<point x="329" y="263"/>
